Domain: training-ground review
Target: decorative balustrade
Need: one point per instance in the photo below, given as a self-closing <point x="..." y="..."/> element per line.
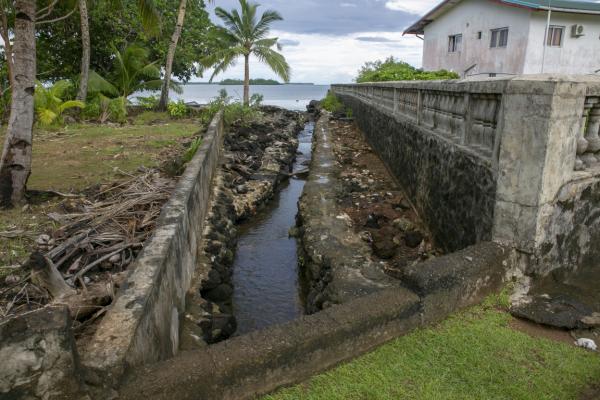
<point x="468" y="119"/>
<point x="588" y="141"/>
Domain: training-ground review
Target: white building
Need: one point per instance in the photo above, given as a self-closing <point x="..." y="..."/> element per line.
<point x="497" y="37"/>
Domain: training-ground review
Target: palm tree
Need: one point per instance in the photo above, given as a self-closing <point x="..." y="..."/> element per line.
<point x="15" y="163"/>
<point x="243" y="36"/>
<point x="131" y="72"/>
<point x="150" y="21"/>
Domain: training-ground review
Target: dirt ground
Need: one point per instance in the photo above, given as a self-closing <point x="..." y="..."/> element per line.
<point x="380" y="212"/>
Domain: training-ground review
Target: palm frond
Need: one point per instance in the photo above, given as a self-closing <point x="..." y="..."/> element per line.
<point x="98" y="85"/>
<point x="262" y="28"/>
<point x="46" y="117"/>
<point x="71" y="104"/>
<point x="276" y="61"/>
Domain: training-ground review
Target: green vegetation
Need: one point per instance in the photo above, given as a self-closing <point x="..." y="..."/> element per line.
<point x="49" y="103"/>
<point x="395" y="70"/>
<point x="475" y="354"/>
<point x="245" y="35"/>
<point x="258" y="81"/>
<point x="119" y="23"/>
<point x="177" y="109"/>
<point x="334" y="105"/>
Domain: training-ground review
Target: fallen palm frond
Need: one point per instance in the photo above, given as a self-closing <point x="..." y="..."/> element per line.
<point x="97" y="238"/>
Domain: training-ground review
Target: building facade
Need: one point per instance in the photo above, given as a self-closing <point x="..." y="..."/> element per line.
<point x="511" y="37"/>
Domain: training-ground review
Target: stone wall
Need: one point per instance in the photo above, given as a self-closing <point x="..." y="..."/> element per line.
<point x="143" y="323"/>
<point x="493" y="158"/>
<point x="453" y="188"/>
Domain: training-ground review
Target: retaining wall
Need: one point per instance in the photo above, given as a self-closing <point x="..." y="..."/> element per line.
<point x="247" y="366"/>
<point x="490" y="159"/>
<point x="142" y="325"/>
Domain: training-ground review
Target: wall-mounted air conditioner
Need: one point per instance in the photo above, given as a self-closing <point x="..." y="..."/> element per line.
<point x="577" y="30"/>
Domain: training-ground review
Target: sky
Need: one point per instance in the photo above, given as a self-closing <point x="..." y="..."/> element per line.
<point x="327" y="41"/>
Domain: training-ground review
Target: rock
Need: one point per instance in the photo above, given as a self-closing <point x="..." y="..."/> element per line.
<point x="366" y="236"/>
<point x="212" y="280"/>
<point x="403" y="224"/>
<point x="223" y="292"/>
<point x="39" y="357"/>
<point x="561" y="311"/>
<point x="241" y="189"/>
<point x="372" y="222"/>
<point x="313" y="106"/>
<point x="384" y="249"/>
<point x="12" y="280"/>
<point x="115" y="259"/>
<point x="413" y="239"/>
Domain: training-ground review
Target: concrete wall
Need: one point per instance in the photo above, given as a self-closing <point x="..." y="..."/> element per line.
<point x="143" y="323"/>
<point x="251" y="365"/>
<point x="523" y="54"/>
<point x="505" y="181"/>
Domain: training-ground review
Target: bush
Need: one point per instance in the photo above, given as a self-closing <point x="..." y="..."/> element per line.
<point x="331" y="103"/>
<point x="177" y="109"/>
<point x="393" y="70"/>
<point x="239" y="113"/>
<point x="214" y="106"/>
<point x="191" y="151"/>
<point x="102" y="109"/>
<point x="148" y="103"/>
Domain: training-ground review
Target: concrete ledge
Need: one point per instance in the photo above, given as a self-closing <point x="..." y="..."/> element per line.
<point x="255" y="364"/>
<point x="143" y="324"/>
<point x="260" y="362"/>
<point x="458" y="280"/>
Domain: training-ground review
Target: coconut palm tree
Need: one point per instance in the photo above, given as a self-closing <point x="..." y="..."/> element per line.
<point x="149" y="16"/>
<point x="243" y="36"/>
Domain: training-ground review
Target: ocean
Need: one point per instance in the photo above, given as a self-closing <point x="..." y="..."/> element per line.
<point x="292" y="96"/>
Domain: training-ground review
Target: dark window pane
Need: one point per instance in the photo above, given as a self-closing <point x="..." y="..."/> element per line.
<point x="503" y="38"/>
<point x="494" y="40"/>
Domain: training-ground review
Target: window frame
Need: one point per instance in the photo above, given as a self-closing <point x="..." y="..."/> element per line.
<point x="496" y="38"/>
<point x="455" y="46"/>
<point x="550" y="37"/>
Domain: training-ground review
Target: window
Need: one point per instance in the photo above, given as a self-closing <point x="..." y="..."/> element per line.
<point x="499" y="38"/>
<point x="555" y="36"/>
<point x="454" y="43"/>
<point x="479" y="35"/>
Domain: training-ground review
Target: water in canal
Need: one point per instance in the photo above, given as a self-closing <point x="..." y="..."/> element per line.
<point x="265" y="271"/>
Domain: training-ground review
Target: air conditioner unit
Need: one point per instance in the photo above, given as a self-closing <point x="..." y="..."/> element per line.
<point x="577" y="30"/>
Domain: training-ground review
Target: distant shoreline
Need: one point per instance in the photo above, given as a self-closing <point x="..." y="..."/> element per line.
<point x="240" y="84"/>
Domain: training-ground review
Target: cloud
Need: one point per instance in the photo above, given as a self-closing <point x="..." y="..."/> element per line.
<point x="375" y="39"/>
<point x="418" y="7"/>
<point x="334" y="17"/>
<point x="289" y="42"/>
<point x="327" y="41"/>
<point x="333" y="58"/>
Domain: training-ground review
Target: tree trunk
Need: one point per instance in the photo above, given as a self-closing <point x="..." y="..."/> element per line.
<point x="164" y="94"/>
<point x="15" y="164"/>
<point x="8" y="54"/>
<point x="85" y="55"/>
<point x="247" y="79"/>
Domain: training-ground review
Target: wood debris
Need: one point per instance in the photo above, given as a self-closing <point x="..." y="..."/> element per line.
<point x="98" y="236"/>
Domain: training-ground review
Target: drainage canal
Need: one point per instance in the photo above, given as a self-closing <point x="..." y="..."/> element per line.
<point x="265" y="272"/>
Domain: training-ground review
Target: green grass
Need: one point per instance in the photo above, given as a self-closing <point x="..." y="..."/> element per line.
<point x="81" y="155"/>
<point x="472" y="355"/>
<point x="78" y="156"/>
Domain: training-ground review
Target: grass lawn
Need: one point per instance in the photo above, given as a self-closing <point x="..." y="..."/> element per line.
<point x="476" y="354"/>
<point x="80" y="155"/>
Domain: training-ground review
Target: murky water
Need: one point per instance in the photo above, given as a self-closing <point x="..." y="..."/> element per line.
<point x="265" y="271"/>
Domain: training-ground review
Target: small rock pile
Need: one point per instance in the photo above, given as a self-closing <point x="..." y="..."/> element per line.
<point x="374" y="205"/>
